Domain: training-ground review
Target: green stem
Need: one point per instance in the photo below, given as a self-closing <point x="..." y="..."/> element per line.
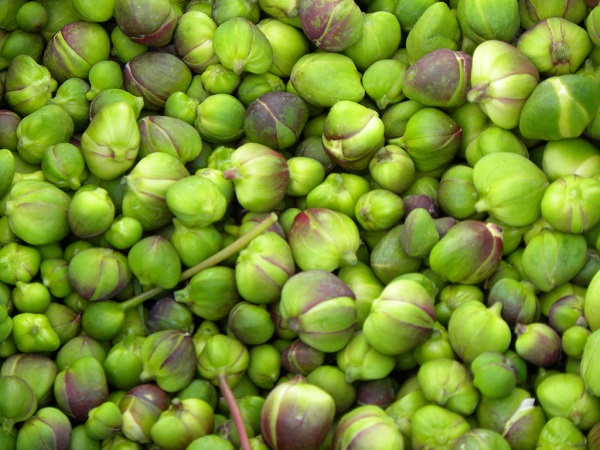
<point x="215" y="259"/>
<point x="235" y="411"/>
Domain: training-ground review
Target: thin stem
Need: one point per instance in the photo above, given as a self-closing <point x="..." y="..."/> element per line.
<point x="215" y="259"/>
<point x="235" y="411"/>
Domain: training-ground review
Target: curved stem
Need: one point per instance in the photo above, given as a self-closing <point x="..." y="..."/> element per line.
<point x="215" y="259"/>
<point x="235" y="411"/>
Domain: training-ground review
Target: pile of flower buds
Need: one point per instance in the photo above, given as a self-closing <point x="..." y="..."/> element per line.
<point x="299" y="224"/>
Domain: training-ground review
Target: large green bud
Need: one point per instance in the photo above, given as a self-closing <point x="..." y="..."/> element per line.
<point x="91" y="211"/>
<point x="323" y="79"/>
<point x="37" y="370"/>
<point x="360" y="361"/>
<point x="561" y="432"/>
<point x="498" y="19"/>
<point x="552" y="258"/>
<point x="146" y="188"/>
<point x="49" y="426"/>
<point x="546" y="116"/>
<point x="519" y="205"/>
<point x="478" y="242"/>
<point x="169" y="358"/>
<point x="193" y="40"/>
<point x="534" y="11"/>
<point x="401" y="318"/>
<point x="565" y="395"/>
<point x="140" y="408"/>
<point x="320" y="308"/>
<point x="154" y="76"/>
<point x="99" y="273"/>
<point x="263" y="267"/>
<point x="474" y="329"/>
<point x="75" y="49"/>
<point x="34" y="135"/>
<point x="155" y="262"/>
<point x="149" y="22"/>
<point x="260" y="175"/>
<point x="556" y="46"/>
<point x="242" y="47"/>
<point x="366" y="426"/>
<point x="288" y="44"/>
<point x="436" y="28"/>
<point x="502" y="79"/>
<point x="352" y="143"/>
<point x="71" y="96"/>
<point x="332" y="25"/>
<point x="37" y="212"/>
<point x="432" y="139"/>
<point x="28" y="85"/>
<point x="169" y="135"/>
<point x="64" y="166"/>
<point x="196" y="201"/>
<point x="436" y="427"/>
<point x="338" y="192"/>
<point x="296" y="414"/>
<point x="323" y="239"/>
<point x="110" y="144"/>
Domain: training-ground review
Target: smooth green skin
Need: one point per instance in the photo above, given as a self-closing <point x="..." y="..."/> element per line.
<point x="263" y="267"/>
<point x="34" y="135"/>
<point x="218" y="79"/>
<point x="552" y="258"/>
<point x="299" y="406"/>
<point x="155" y="262"/>
<point x="360" y="361"/>
<point x="18" y="262"/>
<point x="313" y="78"/>
<point x="252" y="51"/>
<point x="288" y="44"/>
<point x="94" y="10"/>
<point x="436" y="28"/>
<point x="105" y="74"/>
<point x="573" y="341"/>
<point x="194" y="245"/>
<point x="560" y="107"/>
<point x="260" y="176"/>
<point x="37" y="212"/>
<point x="521" y="204"/>
<point x="566" y="157"/>
<point x="589" y="363"/>
<point x="380" y="38"/>
<point x="254" y="85"/>
<point x="568" y="202"/>
<point x="152" y="24"/>
<point x="499" y="72"/>
<point x="333" y="381"/>
<point x="392" y="168"/>
<point x="250" y="323"/>
<point x="338" y="192"/>
<point x="383" y="82"/>
<point x="561" y="432"/>
<point x="74" y="49"/>
<point x="125" y="49"/>
<point x="28" y="85"/>
<point x="33" y="333"/>
<point x="81" y="440"/>
<point x="31" y="297"/>
<point x="366" y="423"/>
<point x="482" y="438"/>
<point x="111" y="142"/>
<point x="64" y="166"/>
<point x="110" y="274"/>
<point x="591" y="25"/>
<point x="533" y="11"/>
<point x="437" y="427"/>
<point x="91" y="211"/>
<point x="400" y="318"/>
<point x="481" y="21"/>
<point x="556" y="46"/>
<point x="21" y="42"/>
<point x="456" y="193"/>
<point x="264" y="366"/>
<point x="220" y="119"/>
<point x="48" y="425"/>
<point x="5" y="324"/>
<point x="305" y="174"/>
<point x="223" y="355"/>
<point x="379" y="210"/>
<point x="103" y="421"/>
<point x="196" y="201"/>
<point x="31" y="16"/>
<point x="193" y="39"/>
<point x="19" y="401"/>
<point x="147" y="184"/>
<point x="7" y="171"/>
<point x="181" y="106"/>
<point x="123" y="363"/>
<point x="184" y="421"/>
<point x="493" y="375"/>
<point x="592" y="303"/>
<point x="565" y="395"/>
<point x="474" y="329"/>
<point x="211" y="442"/>
<point x="115" y="95"/>
<point x="494" y="139"/>
<point x="419" y="234"/>
<point x="123" y="232"/>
